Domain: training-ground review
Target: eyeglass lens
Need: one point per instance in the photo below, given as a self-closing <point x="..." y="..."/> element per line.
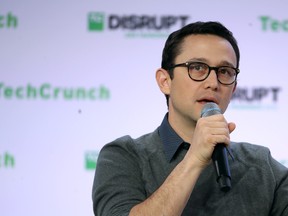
<point x="199" y="71"/>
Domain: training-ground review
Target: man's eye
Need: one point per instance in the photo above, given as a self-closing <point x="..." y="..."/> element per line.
<point x="226" y="71"/>
<point x="197" y="67"/>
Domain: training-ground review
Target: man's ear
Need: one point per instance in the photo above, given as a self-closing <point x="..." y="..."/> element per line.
<point x="163" y="80"/>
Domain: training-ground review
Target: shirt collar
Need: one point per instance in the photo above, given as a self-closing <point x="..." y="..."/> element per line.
<point x="170" y="139"/>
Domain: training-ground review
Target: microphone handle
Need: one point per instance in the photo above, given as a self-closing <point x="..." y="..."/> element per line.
<point x="220" y="161"/>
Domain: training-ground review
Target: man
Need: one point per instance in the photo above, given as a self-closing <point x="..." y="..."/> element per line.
<point x="169" y="171"/>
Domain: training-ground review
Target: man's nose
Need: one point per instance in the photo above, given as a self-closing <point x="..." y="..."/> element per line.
<point x="212" y="80"/>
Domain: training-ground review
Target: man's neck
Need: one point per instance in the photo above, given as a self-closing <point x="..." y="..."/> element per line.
<point x="184" y="127"/>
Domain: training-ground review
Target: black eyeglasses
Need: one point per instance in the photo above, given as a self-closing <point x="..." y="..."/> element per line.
<point x="199" y="71"/>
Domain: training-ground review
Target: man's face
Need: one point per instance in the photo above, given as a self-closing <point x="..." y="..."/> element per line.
<point x="187" y="97"/>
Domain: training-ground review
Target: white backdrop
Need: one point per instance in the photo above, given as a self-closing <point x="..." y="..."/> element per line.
<point x="76" y="75"/>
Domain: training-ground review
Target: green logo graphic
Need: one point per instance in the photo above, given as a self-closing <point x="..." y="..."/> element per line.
<point x="96" y="21"/>
<point x="91" y="160"/>
<point x="7" y="160"/>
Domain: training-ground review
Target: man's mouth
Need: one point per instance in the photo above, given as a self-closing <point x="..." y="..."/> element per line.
<point x="207" y="100"/>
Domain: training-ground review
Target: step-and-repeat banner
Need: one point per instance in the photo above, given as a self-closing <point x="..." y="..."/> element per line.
<point x="75" y="75"/>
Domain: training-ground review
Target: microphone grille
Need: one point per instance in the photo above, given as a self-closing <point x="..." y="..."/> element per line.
<point x="210" y="109"/>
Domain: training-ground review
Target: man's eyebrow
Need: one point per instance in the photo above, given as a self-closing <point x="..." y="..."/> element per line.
<point x="198" y="59"/>
<point x="227" y="63"/>
<point x="222" y="63"/>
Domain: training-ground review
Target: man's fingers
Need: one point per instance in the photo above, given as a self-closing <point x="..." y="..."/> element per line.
<point x="231" y="127"/>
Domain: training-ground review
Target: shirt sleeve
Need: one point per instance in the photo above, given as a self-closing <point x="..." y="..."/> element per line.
<point x="280" y="203"/>
<point x="117" y="183"/>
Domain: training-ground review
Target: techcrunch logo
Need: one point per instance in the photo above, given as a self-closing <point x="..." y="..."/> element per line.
<point x="7" y="160"/>
<point x="152" y="24"/>
<point x="274" y="25"/>
<point x="8" y="21"/>
<point x="47" y="91"/>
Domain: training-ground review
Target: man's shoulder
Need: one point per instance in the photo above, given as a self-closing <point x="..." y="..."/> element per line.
<point x="251" y="154"/>
<point x="146" y="142"/>
<point x="246" y="147"/>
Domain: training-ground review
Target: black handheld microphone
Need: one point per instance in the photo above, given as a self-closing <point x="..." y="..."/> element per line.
<point x="219" y="155"/>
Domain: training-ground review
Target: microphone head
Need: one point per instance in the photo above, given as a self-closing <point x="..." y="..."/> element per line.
<point x="210" y="109"/>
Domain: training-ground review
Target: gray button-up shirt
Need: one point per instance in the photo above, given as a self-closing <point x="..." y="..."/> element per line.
<point x="130" y="170"/>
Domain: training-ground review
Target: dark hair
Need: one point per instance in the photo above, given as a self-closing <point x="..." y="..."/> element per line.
<point x="173" y="43"/>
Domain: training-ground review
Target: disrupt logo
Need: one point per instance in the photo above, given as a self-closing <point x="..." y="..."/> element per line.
<point x="8" y="21"/>
<point x="91" y="160"/>
<point x="274" y="25"/>
<point x="97" y="21"/>
<point x="47" y="91"/>
<point x="7" y="160"/>
<point x="256" y="97"/>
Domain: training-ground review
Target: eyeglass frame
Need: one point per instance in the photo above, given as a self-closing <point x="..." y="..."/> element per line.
<point x="187" y="64"/>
